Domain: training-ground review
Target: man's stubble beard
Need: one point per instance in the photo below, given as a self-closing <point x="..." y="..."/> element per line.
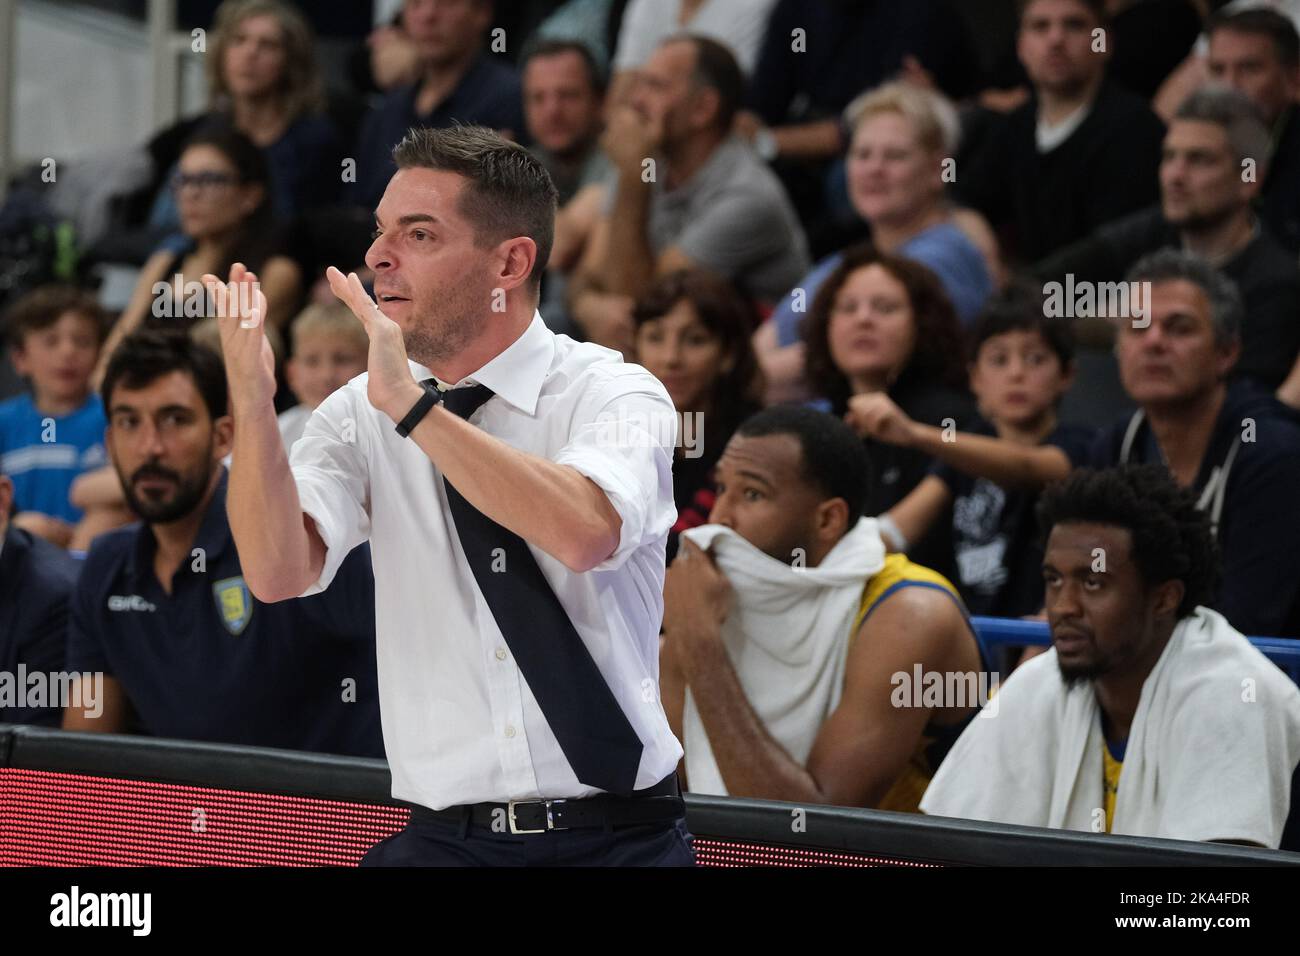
<point x="437" y="336"/>
<point x="190" y="489"/>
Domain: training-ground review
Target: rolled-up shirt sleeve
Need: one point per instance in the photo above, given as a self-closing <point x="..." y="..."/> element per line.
<point x="622" y="438"/>
<point x="330" y="469"/>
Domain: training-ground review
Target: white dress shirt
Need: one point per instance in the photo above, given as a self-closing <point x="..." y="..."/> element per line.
<point x="460" y="722"/>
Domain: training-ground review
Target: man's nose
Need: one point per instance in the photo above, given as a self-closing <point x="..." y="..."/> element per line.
<point x="720" y="513"/>
<point x="149" y="440"/>
<point x="379" y="256"/>
<point x="1064" y="601"/>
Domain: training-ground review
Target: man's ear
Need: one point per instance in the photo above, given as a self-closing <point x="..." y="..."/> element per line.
<point x="704" y="111"/>
<point x="1168" y="595"/>
<point x="833" y="520"/>
<point x="1226" y="357"/>
<point x="516" y="258"/>
<point x="223" y="436"/>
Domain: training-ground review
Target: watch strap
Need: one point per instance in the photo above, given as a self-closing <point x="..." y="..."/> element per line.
<point x="431" y="397"/>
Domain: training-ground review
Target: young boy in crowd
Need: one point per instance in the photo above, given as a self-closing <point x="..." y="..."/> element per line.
<point x="1021" y="364"/>
<point x="55" y="432"/>
<point x="330" y="347"/>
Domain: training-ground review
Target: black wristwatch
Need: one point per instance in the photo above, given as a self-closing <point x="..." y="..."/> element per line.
<point x="431" y="397"/>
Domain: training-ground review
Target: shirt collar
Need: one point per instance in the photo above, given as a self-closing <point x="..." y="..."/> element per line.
<point x="517" y="373"/>
<point x="213" y="535"/>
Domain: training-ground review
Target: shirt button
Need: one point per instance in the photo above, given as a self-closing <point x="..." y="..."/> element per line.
<point x="501" y="653"/>
<point x="510" y="730"/>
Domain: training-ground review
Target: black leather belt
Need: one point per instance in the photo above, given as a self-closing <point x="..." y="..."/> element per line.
<point x="657" y="804"/>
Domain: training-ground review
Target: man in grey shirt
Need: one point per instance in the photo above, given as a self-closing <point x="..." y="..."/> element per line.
<point x="685" y="194"/>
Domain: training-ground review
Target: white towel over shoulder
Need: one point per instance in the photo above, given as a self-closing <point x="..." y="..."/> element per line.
<point x="787" y="637"/>
<point x="1210" y="753"/>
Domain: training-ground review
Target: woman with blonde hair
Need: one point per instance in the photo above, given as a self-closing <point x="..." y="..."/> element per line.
<point x="899" y="162"/>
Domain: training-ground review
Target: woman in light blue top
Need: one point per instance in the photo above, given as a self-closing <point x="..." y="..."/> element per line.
<point x="899" y="160"/>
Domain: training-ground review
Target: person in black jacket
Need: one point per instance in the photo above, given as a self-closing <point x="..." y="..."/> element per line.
<point x="1257" y="51"/>
<point x="1080" y="152"/>
<point x="1238" y="448"/>
<point x="36" y="579"/>
<point x="1205" y="208"/>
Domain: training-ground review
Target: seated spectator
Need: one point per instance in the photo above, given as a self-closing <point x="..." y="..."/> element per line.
<point x="263" y="81"/>
<point x="1136" y="721"/>
<point x="692" y="333"/>
<point x="817" y="56"/>
<point x="882" y="325"/>
<point x="330" y="347"/>
<point x="459" y="82"/>
<point x="687" y="195"/>
<point x="563" y="110"/>
<point x="223" y="190"/>
<point x="1236" y="447"/>
<point x="780" y="657"/>
<point x="36" y="580"/>
<point x="161" y="607"/>
<point x="901" y="136"/>
<point x="563" y="92"/>
<point x="56" y="432"/>
<point x="1257" y="51"/>
<point x="1079" y="153"/>
<point x="1021" y="364"/>
<point x="1205" y="208"/>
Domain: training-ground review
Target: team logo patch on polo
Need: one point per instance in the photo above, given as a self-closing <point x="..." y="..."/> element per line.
<point x="234" y="603"/>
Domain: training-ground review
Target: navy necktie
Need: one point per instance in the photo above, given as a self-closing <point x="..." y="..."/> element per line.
<point x="598" y="741"/>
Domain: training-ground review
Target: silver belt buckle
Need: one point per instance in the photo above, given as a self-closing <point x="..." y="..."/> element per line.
<point x="550" y="821"/>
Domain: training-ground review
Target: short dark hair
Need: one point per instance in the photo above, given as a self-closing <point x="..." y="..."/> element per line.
<point x="509" y="192"/>
<point x="937" y="356"/>
<point x="558" y="47"/>
<point x="729" y="317"/>
<point x="43" y="306"/>
<point x="1261" y="21"/>
<point x="834" y="457"/>
<point x="148" y="354"/>
<point x="1227" y="308"/>
<point x="1018" y="309"/>
<point x="1172" y="538"/>
<point x="716" y="69"/>
<point x="1096" y="7"/>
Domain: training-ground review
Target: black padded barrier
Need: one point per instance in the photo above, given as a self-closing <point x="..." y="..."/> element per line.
<point x="899" y="836"/>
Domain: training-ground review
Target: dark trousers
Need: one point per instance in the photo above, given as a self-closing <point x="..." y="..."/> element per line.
<point x="432" y="842"/>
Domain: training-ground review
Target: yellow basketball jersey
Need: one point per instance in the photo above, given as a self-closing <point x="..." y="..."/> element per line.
<point x="1110" y="771"/>
<point x="905" y="794"/>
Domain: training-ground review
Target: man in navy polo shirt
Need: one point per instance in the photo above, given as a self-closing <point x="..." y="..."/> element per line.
<point x="459" y="82"/>
<point x="161" y="607"/>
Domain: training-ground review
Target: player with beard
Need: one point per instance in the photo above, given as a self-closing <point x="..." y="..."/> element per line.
<point x="161" y="607"/>
<point x="1148" y="701"/>
<point x="516" y="488"/>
